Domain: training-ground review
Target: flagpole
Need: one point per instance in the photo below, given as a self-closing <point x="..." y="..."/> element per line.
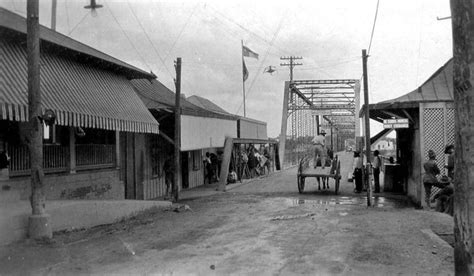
<point x="243" y="80"/>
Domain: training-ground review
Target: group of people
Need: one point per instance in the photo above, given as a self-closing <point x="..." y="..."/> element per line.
<point x="254" y="162"/>
<point x="357" y="171"/>
<point x="433" y="178"/>
<point x="212" y="166"/>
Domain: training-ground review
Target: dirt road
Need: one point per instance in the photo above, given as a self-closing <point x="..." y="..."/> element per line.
<point x="263" y="227"/>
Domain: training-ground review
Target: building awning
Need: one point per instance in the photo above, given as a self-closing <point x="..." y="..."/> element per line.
<point x="81" y="95"/>
<point x="437" y="88"/>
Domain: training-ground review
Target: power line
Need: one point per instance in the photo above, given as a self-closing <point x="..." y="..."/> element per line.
<point x="150" y="41"/>
<point x="181" y="31"/>
<point x="79" y="23"/>
<point x="292" y="64"/>
<point x="373" y="27"/>
<point x="125" y="33"/>
<point x="265" y="57"/>
<point x="67" y="16"/>
<point x="247" y="30"/>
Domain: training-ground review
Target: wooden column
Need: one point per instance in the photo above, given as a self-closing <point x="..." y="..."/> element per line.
<point x="72" y="150"/>
<point x="228" y="145"/>
<point x="177" y="132"/>
<point x="367" y="128"/>
<point x="39" y="223"/>
<point x="462" y="12"/>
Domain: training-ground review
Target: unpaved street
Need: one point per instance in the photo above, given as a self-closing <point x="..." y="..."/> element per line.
<point x="263" y="227"/>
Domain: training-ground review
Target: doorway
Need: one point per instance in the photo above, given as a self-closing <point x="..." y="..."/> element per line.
<point x="185" y="169"/>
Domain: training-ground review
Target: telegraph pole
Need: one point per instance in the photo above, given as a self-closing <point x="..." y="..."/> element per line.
<point x="39" y="223"/>
<point x="367" y="128"/>
<point x="53" y="14"/>
<point x="177" y="131"/>
<point x="292" y="64"/>
<point x="462" y="13"/>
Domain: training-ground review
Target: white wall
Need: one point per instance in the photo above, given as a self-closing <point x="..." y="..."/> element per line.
<point x="252" y="129"/>
<point x="202" y="132"/>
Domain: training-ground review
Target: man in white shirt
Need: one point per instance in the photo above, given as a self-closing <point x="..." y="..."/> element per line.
<point x="376" y="164"/>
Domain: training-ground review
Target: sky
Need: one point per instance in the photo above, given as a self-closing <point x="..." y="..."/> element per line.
<point x="408" y="45"/>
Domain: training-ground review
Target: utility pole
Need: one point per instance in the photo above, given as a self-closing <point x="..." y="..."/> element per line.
<point x="292" y="64"/>
<point x="53" y="14"/>
<point x="367" y="128"/>
<point x="177" y="131"/>
<point x="39" y="223"/>
<point x="462" y="13"/>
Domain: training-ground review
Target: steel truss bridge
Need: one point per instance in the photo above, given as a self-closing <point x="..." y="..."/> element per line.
<point x="310" y="106"/>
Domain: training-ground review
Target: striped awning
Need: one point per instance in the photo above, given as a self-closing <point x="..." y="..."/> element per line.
<point x="81" y="95"/>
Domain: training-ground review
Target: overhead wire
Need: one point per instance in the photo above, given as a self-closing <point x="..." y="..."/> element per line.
<point x="78" y="23"/>
<point x="162" y="60"/>
<point x="67" y="16"/>
<point x="181" y="31"/>
<point x="373" y="29"/>
<point x="275" y="34"/>
<point x="373" y="26"/>
<point x="126" y="35"/>
<point x="247" y="30"/>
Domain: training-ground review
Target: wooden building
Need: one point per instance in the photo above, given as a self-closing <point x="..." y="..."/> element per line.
<point x="98" y="147"/>
<point x="430" y="111"/>
<point x="201" y="130"/>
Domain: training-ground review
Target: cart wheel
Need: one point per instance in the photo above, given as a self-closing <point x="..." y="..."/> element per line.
<point x="300" y="184"/>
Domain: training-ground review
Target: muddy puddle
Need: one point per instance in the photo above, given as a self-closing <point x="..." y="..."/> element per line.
<point x="378" y="202"/>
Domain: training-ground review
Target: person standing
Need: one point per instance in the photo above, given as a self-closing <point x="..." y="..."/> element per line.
<point x="376" y="164"/>
<point x="4" y="163"/>
<point x="429" y="178"/>
<point x="320" y="150"/>
<point x="449" y="151"/>
<point x="357" y="167"/>
<point x="168" y="170"/>
<point x="208" y="168"/>
<point x="252" y="163"/>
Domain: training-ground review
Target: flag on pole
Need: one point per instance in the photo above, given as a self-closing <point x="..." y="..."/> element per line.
<point x="245" y="72"/>
<point x="246" y="52"/>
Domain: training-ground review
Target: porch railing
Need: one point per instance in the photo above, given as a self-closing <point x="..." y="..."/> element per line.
<point x="56" y="158"/>
<point x="89" y="156"/>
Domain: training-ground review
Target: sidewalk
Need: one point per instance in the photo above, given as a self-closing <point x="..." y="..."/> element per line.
<point x="211" y="189"/>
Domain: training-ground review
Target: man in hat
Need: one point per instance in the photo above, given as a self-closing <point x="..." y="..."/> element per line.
<point x="429" y="178"/>
<point x="320" y="150"/>
<point x="320" y="156"/>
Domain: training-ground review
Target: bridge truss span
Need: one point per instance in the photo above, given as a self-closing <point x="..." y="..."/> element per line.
<point x="310" y="106"/>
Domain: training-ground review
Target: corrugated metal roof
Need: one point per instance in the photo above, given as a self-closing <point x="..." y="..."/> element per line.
<point x="157" y="96"/>
<point x="438" y="88"/>
<point x="17" y="24"/>
<point x="79" y="94"/>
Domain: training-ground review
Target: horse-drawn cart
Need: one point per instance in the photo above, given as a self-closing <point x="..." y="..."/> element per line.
<point x="306" y="169"/>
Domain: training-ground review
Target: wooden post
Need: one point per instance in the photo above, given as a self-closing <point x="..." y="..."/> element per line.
<point x="284" y="119"/>
<point x="243" y="76"/>
<point x="39" y="221"/>
<point x="177" y="131"/>
<point x="53" y="14"/>
<point x="72" y="150"/>
<point x="228" y="145"/>
<point x="367" y="128"/>
<point x="462" y="12"/>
